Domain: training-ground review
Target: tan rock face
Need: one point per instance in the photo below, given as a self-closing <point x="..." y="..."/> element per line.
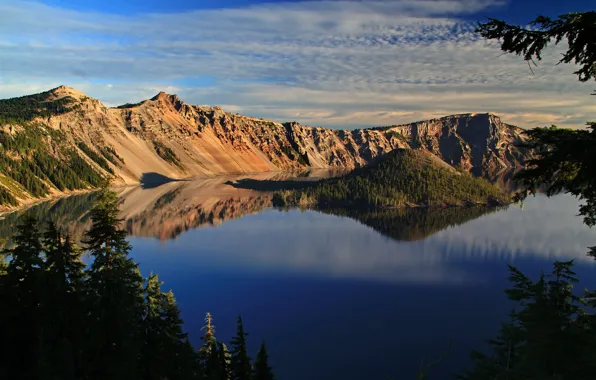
<point x="210" y="141"/>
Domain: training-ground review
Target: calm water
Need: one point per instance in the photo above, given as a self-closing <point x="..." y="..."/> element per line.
<point x="340" y="297"/>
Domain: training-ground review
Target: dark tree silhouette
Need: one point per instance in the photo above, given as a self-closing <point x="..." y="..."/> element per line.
<point x="240" y="362"/>
<point x="262" y="370"/>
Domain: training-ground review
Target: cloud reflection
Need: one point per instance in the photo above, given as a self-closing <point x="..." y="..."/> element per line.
<point x="312" y="243"/>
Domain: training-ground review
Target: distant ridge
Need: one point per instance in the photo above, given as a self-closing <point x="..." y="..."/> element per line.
<point x="65" y="128"/>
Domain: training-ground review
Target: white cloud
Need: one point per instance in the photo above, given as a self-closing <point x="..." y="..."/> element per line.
<point x="334" y="63"/>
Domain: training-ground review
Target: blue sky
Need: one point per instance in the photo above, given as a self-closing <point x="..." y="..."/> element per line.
<point x="336" y="63"/>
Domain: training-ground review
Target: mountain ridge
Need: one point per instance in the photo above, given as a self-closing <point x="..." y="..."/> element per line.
<point x="167" y="136"/>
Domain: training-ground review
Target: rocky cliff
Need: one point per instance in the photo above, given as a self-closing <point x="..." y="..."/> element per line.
<point x="166" y="136"/>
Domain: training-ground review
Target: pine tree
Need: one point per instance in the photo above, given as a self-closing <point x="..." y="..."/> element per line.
<point x="549" y="337"/>
<point x="212" y="363"/>
<point x="165" y="352"/>
<point x="262" y="370"/>
<point x="208" y="337"/>
<point x="209" y="352"/>
<point x="183" y="362"/>
<point x="154" y="349"/>
<point x="115" y="287"/>
<point x="64" y="280"/>
<point x="240" y="362"/>
<point x="224" y="361"/>
<point x="24" y="306"/>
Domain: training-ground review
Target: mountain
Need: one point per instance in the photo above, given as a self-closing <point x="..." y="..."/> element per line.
<point x="401" y="178"/>
<point x="61" y="141"/>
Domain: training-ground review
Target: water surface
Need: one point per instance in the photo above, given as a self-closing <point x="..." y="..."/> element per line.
<point x="338" y="295"/>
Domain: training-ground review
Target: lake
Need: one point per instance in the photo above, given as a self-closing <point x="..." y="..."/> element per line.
<point x="340" y="294"/>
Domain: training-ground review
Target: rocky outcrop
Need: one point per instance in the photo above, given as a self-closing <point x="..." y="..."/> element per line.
<point x="166" y="136"/>
<point x="474" y="142"/>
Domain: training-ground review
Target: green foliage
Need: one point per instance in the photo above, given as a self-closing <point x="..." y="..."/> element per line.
<point x="167" y="154"/>
<point x="6" y="197"/>
<point x="26" y="108"/>
<point x="395" y="134"/>
<point x="101" y="161"/>
<point x="400" y="178"/>
<point x="59" y="320"/>
<point x="130" y="105"/>
<point x="550" y="336"/>
<point x="240" y="362"/>
<point x="113" y="273"/>
<point x="262" y="370"/>
<point x="576" y="28"/>
<point x="111" y="155"/>
<point x="293" y="155"/>
<point x="22" y="307"/>
<point x="565" y="161"/>
<point x="25" y="157"/>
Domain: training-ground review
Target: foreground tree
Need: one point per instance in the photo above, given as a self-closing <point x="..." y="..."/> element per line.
<point x="565" y="159"/>
<point x="166" y="353"/>
<point x="262" y="370"/>
<point x="115" y="294"/>
<point x="577" y="29"/>
<point x="240" y="362"/>
<point x="550" y="336"/>
<point x="23" y="308"/>
<point x="65" y="304"/>
<point x="59" y="321"/>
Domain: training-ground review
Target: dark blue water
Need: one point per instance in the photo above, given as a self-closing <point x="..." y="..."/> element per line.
<point x="335" y="299"/>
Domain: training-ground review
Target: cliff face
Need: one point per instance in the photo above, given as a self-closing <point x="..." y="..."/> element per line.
<point x="166" y="136"/>
<point x="474" y="142"/>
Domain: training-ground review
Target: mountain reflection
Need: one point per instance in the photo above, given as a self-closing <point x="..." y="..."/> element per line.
<point x="167" y="211"/>
<point x="411" y="224"/>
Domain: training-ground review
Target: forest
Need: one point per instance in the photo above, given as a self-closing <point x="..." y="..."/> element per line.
<point x="66" y="319"/>
<point x="399" y="178"/>
<point x="167" y="154"/>
<point x="27" y="108"/>
<point x="34" y="158"/>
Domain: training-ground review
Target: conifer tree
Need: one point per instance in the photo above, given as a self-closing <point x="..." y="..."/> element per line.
<point x="115" y="287"/>
<point x="208" y="337"/>
<point x="212" y="364"/>
<point x="549" y="337"/>
<point x="240" y="362"/>
<point x="224" y="361"/>
<point x="183" y="361"/>
<point x="23" y="310"/>
<point x="154" y="348"/>
<point x="262" y="370"/>
<point x="64" y="281"/>
<point x="165" y="352"/>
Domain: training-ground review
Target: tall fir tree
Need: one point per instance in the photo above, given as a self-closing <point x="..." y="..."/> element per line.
<point x="262" y="370"/>
<point x="549" y="337"/>
<point x="240" y="362"/>
<point x="208" y="337"/>
<point x="184" y="361"/>
<point x="65" y="304"/>
<point x="209" y="351"/>
<point x="24" y="306"/>
<point x="154" y="348"/>
<point x="115" y="291"/>
<point x="212" y="364"/>
<point x="224" y="361"/>
<point x="166" y="353"/>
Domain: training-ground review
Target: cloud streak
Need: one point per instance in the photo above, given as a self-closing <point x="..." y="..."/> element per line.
<point x="330" y="63"/>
